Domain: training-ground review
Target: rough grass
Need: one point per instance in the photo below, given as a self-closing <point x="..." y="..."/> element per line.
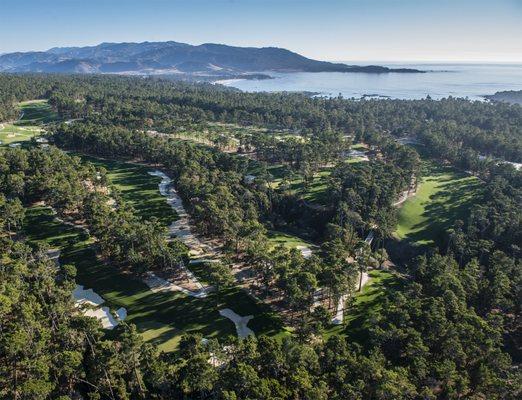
<point x="11" y="133"/>
<point x="444" y="196"/>
<point x="161" y="317"/>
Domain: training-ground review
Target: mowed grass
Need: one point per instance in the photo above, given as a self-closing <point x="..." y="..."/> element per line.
<point x="137" y="188"/>
<point x="316" y="191"/>
<point x="161" y="317"/>
<point x="277" y="238"/>
<point x="11" y="133"/>
<point x="443" y="196"/>
<point x="366" y="305"/>
<point x="34" y="113"/>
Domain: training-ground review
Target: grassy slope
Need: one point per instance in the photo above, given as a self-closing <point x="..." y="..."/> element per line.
<point x="161" y="317"/>
<point x="443" y="196"/>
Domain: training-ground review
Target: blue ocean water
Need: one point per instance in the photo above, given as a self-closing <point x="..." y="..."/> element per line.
<point x="442" y="80"/>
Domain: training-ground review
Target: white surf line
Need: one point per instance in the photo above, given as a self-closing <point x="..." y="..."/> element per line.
<point x="240" y="322"/>
<point x="339" y="314"/>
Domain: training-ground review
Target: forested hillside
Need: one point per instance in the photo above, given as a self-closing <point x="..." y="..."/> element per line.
<point x="245" y="166"/>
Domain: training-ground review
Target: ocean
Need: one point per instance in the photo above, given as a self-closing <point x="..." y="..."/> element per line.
<point x="470" y="81"/>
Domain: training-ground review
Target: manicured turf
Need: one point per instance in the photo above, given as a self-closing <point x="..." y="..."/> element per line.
<point x="444" y="196"/>
<point x="11" y="133"/>
<point x="161" y="317"/>
<point x="137" y="188"/>
<point x="366" y="304"/>
<point x="34" y="114"/>
<point x="290" y="241"/>
<point x="316" y="191"/>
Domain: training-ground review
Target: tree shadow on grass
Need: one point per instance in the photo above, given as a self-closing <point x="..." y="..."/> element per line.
<point x="119" y="289"/>
<point x="138" y="188"/>
<point x="451" y="202"/>
<point x="367" y="306"/>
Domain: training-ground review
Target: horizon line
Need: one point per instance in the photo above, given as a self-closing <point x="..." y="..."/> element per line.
<point x="328" y="59"/>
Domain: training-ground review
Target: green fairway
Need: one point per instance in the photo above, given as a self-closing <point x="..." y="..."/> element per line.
<point x="36" y="112"/>
<point x="366" y="305"/>
<point x="161" y="317"/>
<point x="33" y="113"/>
<point x="316" y="191"/>
<point x="444" y="196"/>
<point x="137" y="188"/>
<point x="290" y="241"/>
<point x="13" y="133"/>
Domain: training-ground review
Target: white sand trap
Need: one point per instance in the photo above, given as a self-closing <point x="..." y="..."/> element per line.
<point x="89" y="297"/>
<point x="121" y="313"/>
<point x="157" y="284"/>
<point x="182" y="230"/>
<point x="241" y="322"/>
<point x="306" y="252"/>
<point x="339" y="315"/>
<point x="103" y="315"/>
<point x="181" y="227"/>
<point x="11" y="135"/>
<point x="54" y="255"/>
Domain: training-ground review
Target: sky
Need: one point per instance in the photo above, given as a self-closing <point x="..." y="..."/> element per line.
<point x="347" y="30"/>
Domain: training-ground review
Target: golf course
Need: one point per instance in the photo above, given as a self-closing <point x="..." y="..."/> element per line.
<point x="443" y="196"/>
<point x="33" y="114"/>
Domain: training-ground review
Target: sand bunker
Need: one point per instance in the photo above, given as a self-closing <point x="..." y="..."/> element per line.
<point x="339" y="315"/>
<point x="241" y="322"/>
<point x="181" y="228"/>
<point x="54" y="255"/>
<point x="157" y="284"/>
<point x="121" y="313"/>
<point x="103" y="315"/>
<point x="89" y="301"/>
<point x="89" y="297"/>
<point x="305" y="251"/>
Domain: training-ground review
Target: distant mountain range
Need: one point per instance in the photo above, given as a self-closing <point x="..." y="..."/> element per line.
<point x="148" y="58"/>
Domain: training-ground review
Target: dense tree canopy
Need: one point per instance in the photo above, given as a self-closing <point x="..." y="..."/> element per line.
<point x="451" y="332"/>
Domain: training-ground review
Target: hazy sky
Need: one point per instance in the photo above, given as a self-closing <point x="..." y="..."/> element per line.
<point x="387" y="30"/>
